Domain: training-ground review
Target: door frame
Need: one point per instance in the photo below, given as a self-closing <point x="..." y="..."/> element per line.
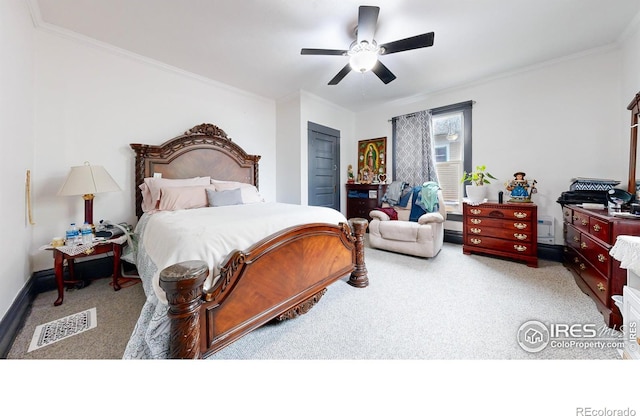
<point x="311" y="126"/>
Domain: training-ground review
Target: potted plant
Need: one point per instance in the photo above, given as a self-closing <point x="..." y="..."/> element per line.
<point x="476" y="191"/>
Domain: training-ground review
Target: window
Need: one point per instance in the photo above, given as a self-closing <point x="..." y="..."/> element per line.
<point x="451" y="132"/>
<point x="442" y="153"/>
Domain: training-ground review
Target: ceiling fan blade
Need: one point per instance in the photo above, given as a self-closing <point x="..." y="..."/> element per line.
<point x="415" y="42"/>
<point x="343" y="73"/>
<point x="311" y="51"/>
<point x="367" y="21"/>
<point x="383" y="72"/>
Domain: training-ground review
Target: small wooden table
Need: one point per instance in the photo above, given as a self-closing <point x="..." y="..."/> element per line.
<point x="109" y="246"/>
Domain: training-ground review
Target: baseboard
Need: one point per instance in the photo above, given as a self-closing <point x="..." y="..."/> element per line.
<point x="552" y="252"/>
<point x="15" y="317"/>
<point x="44" y="281"/>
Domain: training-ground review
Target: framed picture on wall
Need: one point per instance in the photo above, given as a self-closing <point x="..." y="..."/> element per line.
<point x="372" y="159"/>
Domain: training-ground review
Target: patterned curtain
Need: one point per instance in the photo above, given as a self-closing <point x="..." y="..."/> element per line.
<point x="413" y="149"/>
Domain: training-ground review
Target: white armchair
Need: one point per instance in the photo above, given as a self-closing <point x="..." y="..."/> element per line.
<point x="423" y="238"/>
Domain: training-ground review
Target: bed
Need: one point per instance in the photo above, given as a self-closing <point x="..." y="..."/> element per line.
<point x="213" y="274"/>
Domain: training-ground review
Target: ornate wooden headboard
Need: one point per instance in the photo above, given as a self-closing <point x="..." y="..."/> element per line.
<point x="204" y="150"/>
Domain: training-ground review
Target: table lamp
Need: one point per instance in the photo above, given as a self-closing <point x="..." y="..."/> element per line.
<point x="87" y="181"/>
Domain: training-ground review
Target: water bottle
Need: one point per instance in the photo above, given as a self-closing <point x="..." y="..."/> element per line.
<point x="87" y="235"/>
<point x="72" y="235"/>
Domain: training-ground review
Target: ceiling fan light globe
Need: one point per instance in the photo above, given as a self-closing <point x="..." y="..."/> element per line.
<point x="363" y="61"/>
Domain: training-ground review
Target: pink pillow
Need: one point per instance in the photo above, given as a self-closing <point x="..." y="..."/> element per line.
<point x="183" y="197"/>
<point x="152" y="186"/>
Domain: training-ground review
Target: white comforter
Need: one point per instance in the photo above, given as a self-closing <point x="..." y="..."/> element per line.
<point x="207" y="234"/>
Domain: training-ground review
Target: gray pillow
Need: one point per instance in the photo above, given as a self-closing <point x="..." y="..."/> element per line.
<point x="222" y="198"/>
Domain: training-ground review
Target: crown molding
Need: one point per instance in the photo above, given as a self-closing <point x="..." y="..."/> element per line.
<point x="39" y="24"/>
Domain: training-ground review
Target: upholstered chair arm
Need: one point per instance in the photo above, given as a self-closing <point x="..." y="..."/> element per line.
<point x="430" y="217"/>
<point x="377" y="214"/>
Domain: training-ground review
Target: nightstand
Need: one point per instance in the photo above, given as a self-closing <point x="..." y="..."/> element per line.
<point x="70" y="254"/>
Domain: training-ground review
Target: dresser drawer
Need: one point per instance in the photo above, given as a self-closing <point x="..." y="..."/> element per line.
<point x="600" y="229"/>
<point x="505" y="233"/>
<point x="591" y="225"/>
<point x="596" y="254"/>
<point x="572" y="236"/>
<point x="498" y="244"/>
<point x="597" y="282"/>
<point x="515" y="213"/>
<point x="567" y="214"/>
<point x="515" y="225"/>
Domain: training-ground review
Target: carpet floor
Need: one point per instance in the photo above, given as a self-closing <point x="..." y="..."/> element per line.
<point x="453" y="306"/>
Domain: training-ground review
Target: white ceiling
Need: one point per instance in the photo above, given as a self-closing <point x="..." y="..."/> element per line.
<point x="255" y="45"/>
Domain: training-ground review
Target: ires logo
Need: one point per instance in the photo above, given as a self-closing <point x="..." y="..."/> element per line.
<point x="534" y="336"/>
<point x="573" y="331"/>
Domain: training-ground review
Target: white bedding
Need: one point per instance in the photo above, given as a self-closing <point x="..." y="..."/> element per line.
<point x="208" y="234"/>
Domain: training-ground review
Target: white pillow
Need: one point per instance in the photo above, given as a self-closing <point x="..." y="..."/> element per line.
<point x="250" y="194"/>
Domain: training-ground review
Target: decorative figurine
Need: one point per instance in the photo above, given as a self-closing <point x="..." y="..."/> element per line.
<point x="520" y="188"/>
<point x="350" y="176"/>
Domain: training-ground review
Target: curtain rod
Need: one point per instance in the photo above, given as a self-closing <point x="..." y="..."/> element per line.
<point x="471" y="102"/>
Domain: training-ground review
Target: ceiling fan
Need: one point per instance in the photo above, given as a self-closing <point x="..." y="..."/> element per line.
<point x="364" y="51"/>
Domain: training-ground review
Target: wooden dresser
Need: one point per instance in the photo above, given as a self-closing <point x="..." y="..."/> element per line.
<point x="507" y="230"/>
<point x="588" y="236"/>
<point x="362" y="198"/>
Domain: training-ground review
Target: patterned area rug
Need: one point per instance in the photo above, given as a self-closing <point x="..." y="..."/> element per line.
<point x="62" y="328"/>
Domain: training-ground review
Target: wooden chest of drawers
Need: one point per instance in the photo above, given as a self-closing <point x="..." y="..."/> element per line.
<point x="362" y="198"/>
<point x="507" y="230"/>
<point x="588" y="236"/>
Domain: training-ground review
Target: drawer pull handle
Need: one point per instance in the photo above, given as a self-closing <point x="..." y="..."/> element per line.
<point x="520" y="225"/>
<point x="475" y="230"/>
<point x="519" y="247"/>
<point x="520" y="236"/>
<point x="476" y="211"/>
<point x="576" y="260"/>
<point x="519" y="214"/>
<point x="583" y="245"/>
<point x="602" y="258"/>
<point x="576" y="239"/>
<point x="584" y="222"/>
<point x="582" y="266"/>
<point x="600" y="287"/>
<point x="575" y="218"/>
<point x="596" y="227"/>
<point x="476" y="221"/>
<point x="476" y="241"/>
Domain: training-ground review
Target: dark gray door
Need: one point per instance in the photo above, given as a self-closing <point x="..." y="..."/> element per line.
<point x="324" y="164"/>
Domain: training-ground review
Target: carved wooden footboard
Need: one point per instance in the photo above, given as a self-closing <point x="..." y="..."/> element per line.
<point x="280" y="277"/>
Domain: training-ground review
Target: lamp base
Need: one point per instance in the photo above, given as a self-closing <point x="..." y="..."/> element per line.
<point x="88" y="209"/>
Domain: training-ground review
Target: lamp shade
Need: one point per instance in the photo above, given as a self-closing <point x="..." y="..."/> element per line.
<point x="88" y="179"/>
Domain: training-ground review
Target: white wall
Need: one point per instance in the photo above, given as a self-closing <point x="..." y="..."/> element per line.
<point x="630" y="78"/>
<point x="319" y="111"/>
<point x="289" y="141"/>
<point x="555" y="122"/>
<point x="17" y="139"/>
<point x="92" y="102"/>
